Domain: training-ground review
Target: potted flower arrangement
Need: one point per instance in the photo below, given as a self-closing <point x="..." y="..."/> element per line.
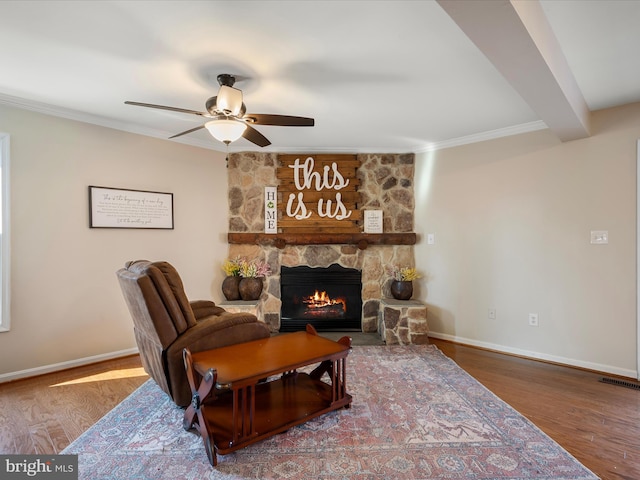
<point x="232" y="281"/>
<point x="402" y="281"/>
<point x="244" y="278"/>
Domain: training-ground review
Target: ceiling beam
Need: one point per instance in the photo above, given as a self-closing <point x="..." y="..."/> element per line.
<point x="516" y="37"/>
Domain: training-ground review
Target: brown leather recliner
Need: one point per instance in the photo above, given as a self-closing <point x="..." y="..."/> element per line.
<point x="165" y="322"/>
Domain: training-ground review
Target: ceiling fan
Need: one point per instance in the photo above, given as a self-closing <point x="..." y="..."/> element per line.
<point x="227" y="119"/>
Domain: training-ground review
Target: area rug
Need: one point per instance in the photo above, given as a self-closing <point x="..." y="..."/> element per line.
<point x="415" y="415"/>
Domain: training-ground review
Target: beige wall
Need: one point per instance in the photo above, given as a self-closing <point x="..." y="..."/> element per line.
<point x="512" y="219"/>
<point x="511" y="216"/>
<point x="66" y="302"/>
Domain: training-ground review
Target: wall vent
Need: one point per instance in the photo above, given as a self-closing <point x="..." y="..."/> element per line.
<point x="621" y="383"/>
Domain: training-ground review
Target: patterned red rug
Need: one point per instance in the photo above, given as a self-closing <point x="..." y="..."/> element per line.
<point x="415" y="415"/>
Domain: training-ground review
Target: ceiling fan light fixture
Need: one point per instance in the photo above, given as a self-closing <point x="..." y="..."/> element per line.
<point x="226" y="130"/>
<point x="229" y="100"/>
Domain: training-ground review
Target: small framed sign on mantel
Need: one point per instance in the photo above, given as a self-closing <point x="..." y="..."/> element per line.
<point x="123" y="208"/>
<point x="373" y="221"/>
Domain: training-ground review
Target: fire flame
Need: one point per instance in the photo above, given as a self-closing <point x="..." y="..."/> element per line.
<point x="322" y="299"/>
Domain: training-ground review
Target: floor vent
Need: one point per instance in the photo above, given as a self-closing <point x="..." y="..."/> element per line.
<point x="621" y="383"/>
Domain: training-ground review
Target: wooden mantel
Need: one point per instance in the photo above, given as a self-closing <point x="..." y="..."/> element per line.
<point x="362" y="240"/>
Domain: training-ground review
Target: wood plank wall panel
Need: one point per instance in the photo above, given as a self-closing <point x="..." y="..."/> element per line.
<point x="321" y="181"/>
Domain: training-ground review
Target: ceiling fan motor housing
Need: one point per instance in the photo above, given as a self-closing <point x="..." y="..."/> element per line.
<point x="224" y="79"/>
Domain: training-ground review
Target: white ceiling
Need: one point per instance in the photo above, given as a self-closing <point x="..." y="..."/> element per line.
<point x="377" y="76"/>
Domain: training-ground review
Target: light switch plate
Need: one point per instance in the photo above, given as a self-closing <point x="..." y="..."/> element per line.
<point x="431" y="238"/>
<point x="599" y="237"/>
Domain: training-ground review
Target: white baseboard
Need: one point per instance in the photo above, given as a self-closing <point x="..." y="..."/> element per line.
<point x="571" y="362"/>
<point x="32" y="372"/>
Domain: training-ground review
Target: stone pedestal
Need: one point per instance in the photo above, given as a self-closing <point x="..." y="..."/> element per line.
<point x="403" y="322"/>
<point x="249" y="306"/>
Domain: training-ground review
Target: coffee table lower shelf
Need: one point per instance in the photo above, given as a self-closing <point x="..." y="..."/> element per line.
<point x="279" y="405"/>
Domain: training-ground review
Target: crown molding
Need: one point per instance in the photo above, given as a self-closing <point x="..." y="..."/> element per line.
<point x="70" y="114"/>
<point x="47" y="109"/>
<point x="484" y="136"/>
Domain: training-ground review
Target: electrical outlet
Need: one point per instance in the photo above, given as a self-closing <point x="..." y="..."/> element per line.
<point x="492" y="313"/>
<point x="599" y="237"/>
<point x="533" y="320"/>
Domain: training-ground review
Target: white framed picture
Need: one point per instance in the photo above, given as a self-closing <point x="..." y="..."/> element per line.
<point x="125" y="208"/>
<point x="373" y="221"/>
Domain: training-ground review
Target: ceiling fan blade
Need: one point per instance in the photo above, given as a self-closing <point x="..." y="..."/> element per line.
<point x="254" y="136"/>
<point x="162" y="107"/>
<point x="188" y="131"/>
<point x="281" y="120"/>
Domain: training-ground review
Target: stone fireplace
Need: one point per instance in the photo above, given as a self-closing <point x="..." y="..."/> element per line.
<point x="329" y="298"/>
<point x="385" y="183"/>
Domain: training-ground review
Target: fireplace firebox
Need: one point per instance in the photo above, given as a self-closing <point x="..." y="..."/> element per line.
<point x="328" y="298"/>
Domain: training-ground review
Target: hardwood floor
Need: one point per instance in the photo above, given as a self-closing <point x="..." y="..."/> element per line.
<point x="598" y="423"/>
<point x="44" y="414"/>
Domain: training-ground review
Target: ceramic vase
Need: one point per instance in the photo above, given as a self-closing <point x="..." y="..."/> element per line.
<point x="230" y="288"/>
<point x="401" y="290"/>
<point x="250" y="288"/>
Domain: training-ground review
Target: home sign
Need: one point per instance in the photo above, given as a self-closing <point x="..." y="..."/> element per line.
<point x="318" y="193"/>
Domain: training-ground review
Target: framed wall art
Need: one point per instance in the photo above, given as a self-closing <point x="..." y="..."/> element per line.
<point x="373" y="221"/>
<point x="123" y="208"/>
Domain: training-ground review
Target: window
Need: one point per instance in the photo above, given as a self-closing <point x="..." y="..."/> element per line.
<point x="4" y="233"/>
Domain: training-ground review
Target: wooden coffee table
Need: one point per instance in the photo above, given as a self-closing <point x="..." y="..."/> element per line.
<point x="237" y="402"/>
